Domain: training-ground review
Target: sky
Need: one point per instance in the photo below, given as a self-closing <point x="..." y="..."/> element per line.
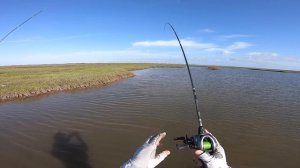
<point x="247" y="33"/>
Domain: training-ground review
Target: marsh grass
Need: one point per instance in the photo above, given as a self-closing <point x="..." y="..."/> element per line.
<point x="26" y="81"/>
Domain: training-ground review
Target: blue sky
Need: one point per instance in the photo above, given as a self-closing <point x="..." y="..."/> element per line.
<point x="251" y="33"/>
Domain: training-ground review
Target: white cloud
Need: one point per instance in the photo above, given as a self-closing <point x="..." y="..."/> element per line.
<point x="272" y="57"/>
<point x="220" y="50"/>
<point x="270" y="60"/>
<point x="231" y="48"/>
<point x="238" y="45"/>
<point x="263" y="56"/>
<point x="95" y="56"/>
<point x="230" y="36"/>
<point x="252" y="59"/>
<point x="207" y="30"/>
<point x="173" y="43"/>
<point x="208" y="47"/>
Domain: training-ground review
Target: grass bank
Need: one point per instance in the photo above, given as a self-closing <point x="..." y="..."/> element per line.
<point x="17" y="82"/>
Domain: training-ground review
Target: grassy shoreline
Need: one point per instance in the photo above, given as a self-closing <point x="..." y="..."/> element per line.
<point x="19" y="82"/>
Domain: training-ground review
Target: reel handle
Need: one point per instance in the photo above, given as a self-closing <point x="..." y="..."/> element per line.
<point x="182" y="146"/>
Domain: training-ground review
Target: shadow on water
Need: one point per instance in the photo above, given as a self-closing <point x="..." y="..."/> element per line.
<point x="71" y="150"/>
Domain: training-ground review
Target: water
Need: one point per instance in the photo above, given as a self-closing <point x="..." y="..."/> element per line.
<point x="254" y="114"/>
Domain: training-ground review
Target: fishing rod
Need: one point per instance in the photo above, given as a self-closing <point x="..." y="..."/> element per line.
<point x="21" y="24"/>
<point x="203" y="140"/>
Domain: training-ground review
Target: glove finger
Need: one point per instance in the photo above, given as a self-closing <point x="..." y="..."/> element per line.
<point x="160" y="157"/>
<point x="221" y="150"/>
<point x="155" y="139"/>
<point x="160" y="137"/>
<point x="205" y="157"/>
<point x="150" y="139"/>
<point x="217" y="142"/>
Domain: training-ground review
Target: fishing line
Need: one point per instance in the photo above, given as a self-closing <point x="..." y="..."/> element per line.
<point x="21" y="24"/>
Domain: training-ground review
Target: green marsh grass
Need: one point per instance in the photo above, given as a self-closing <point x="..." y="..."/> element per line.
<point x="26" y="81"/>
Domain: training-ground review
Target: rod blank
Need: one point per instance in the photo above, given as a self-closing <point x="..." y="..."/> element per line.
<point x="200" y="129"/>
<point x="21" y="24"/>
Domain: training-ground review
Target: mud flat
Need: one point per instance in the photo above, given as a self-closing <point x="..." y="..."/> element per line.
<point x="214" y="67"/>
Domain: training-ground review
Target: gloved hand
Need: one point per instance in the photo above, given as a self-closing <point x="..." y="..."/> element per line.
<point x="215" y="160"/>
<point x="145" y="156"/>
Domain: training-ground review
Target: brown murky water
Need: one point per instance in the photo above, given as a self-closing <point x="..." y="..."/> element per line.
<point x="254" y="114"/>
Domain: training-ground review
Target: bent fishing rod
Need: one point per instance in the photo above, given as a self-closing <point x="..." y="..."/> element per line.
<point x="21" y="24"/>
<point x="203" y="141"/>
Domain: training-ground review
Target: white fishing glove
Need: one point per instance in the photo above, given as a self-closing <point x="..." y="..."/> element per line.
<point x="215" y="160"/>
<point x="145" y="156"/>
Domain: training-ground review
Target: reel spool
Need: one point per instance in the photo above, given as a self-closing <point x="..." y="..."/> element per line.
<point x="205" y="142"/>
